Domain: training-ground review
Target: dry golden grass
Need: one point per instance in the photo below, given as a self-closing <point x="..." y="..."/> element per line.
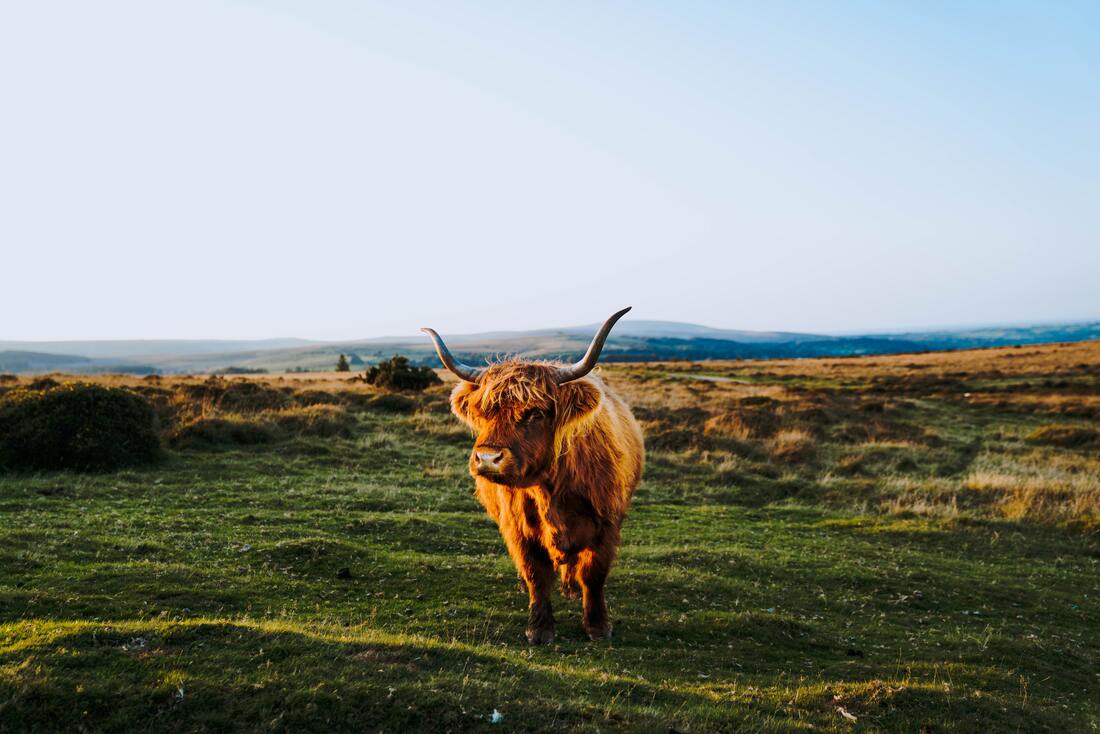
<point x="728" y="424"/>
<point x="1031" y="360"/>
<point x="792" y="445"/>
<point x="1034" y="486"/>
<point x="897" y="434"/>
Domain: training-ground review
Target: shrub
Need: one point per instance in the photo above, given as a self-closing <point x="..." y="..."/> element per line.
<point x="76" y="426"/>
<point x="342" y="364"/>
<point x="235" y="370"/>
<point x="398" y="374"/>
<point x="8" y="379"/>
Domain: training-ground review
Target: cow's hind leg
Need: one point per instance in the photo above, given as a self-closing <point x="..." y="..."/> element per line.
<point x="592" y="569"/>
<point x="570" y="584"/>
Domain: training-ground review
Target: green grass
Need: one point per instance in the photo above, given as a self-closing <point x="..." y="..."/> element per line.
<point x="204" y="595"/>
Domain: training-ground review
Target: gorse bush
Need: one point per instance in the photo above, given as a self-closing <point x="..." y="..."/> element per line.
<point x="397" y="374"/>
<point x="76" y="426"/>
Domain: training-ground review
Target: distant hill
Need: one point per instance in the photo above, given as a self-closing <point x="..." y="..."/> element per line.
<point x="638" y="328"/>
<point x="19" y="361"/>
<point x="1003" y="336"/>
<point x="632" y="340"/>
<point x="136" y="348"/>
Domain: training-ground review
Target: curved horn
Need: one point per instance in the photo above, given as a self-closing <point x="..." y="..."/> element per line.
<point x="465" y="371"/>
<point x="582" y="368"/>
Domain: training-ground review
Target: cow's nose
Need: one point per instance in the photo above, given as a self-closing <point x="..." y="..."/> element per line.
<point x="489" y="460"/>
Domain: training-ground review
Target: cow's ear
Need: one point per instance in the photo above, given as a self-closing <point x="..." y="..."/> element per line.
<point x="460" y="401"/>
<point x="577" y="403"/>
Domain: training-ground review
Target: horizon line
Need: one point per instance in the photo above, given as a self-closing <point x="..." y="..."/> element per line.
<point x="894" y="331"/>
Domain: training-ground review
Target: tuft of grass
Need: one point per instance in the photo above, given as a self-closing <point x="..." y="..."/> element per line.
<point x="731" y="425"/>
<point x="317" y="397"/>
<point x="387" y="402"/>
<point x="240" y="396"/>
<point x="792" y="446"/>
<point x="1067" y="436"/>
<point x="322" y="421"/>
<point x="223" y="431"/>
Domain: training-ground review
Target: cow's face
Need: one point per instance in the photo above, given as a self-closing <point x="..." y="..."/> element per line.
<point x="519" y="413"/>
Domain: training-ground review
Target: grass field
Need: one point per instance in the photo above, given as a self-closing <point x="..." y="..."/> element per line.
<point x="902" y="543"/>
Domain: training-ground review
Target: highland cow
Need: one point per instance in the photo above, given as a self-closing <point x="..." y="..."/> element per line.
<point x="556" y="461"/>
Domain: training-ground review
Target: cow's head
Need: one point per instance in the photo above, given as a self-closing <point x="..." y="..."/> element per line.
<point x="523" y="411"/>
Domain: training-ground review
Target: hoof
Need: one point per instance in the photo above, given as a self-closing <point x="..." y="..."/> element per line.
<point x="540" y="636"/>
<point x="599" y="633"/>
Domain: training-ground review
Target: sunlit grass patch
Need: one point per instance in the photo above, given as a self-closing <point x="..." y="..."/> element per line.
<point x="1027" y="489"/>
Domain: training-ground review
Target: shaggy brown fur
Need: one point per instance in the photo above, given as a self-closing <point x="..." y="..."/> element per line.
<point x="572" y="456"/>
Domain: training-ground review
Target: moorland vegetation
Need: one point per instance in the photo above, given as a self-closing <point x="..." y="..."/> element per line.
<point x="901" y="543"/>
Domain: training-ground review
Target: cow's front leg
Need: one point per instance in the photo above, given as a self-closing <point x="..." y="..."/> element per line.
<point x="537" y="571"/>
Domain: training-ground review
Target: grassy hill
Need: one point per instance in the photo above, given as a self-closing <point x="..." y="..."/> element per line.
<point x="897" y="543"/>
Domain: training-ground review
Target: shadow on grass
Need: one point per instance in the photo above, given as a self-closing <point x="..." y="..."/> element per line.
<point x="242" y="675"/>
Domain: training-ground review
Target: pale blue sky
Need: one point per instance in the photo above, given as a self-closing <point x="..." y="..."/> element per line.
<point x="344" y="169"/>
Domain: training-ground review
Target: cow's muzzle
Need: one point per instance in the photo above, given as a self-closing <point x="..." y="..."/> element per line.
<point x="490" y="461"/>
